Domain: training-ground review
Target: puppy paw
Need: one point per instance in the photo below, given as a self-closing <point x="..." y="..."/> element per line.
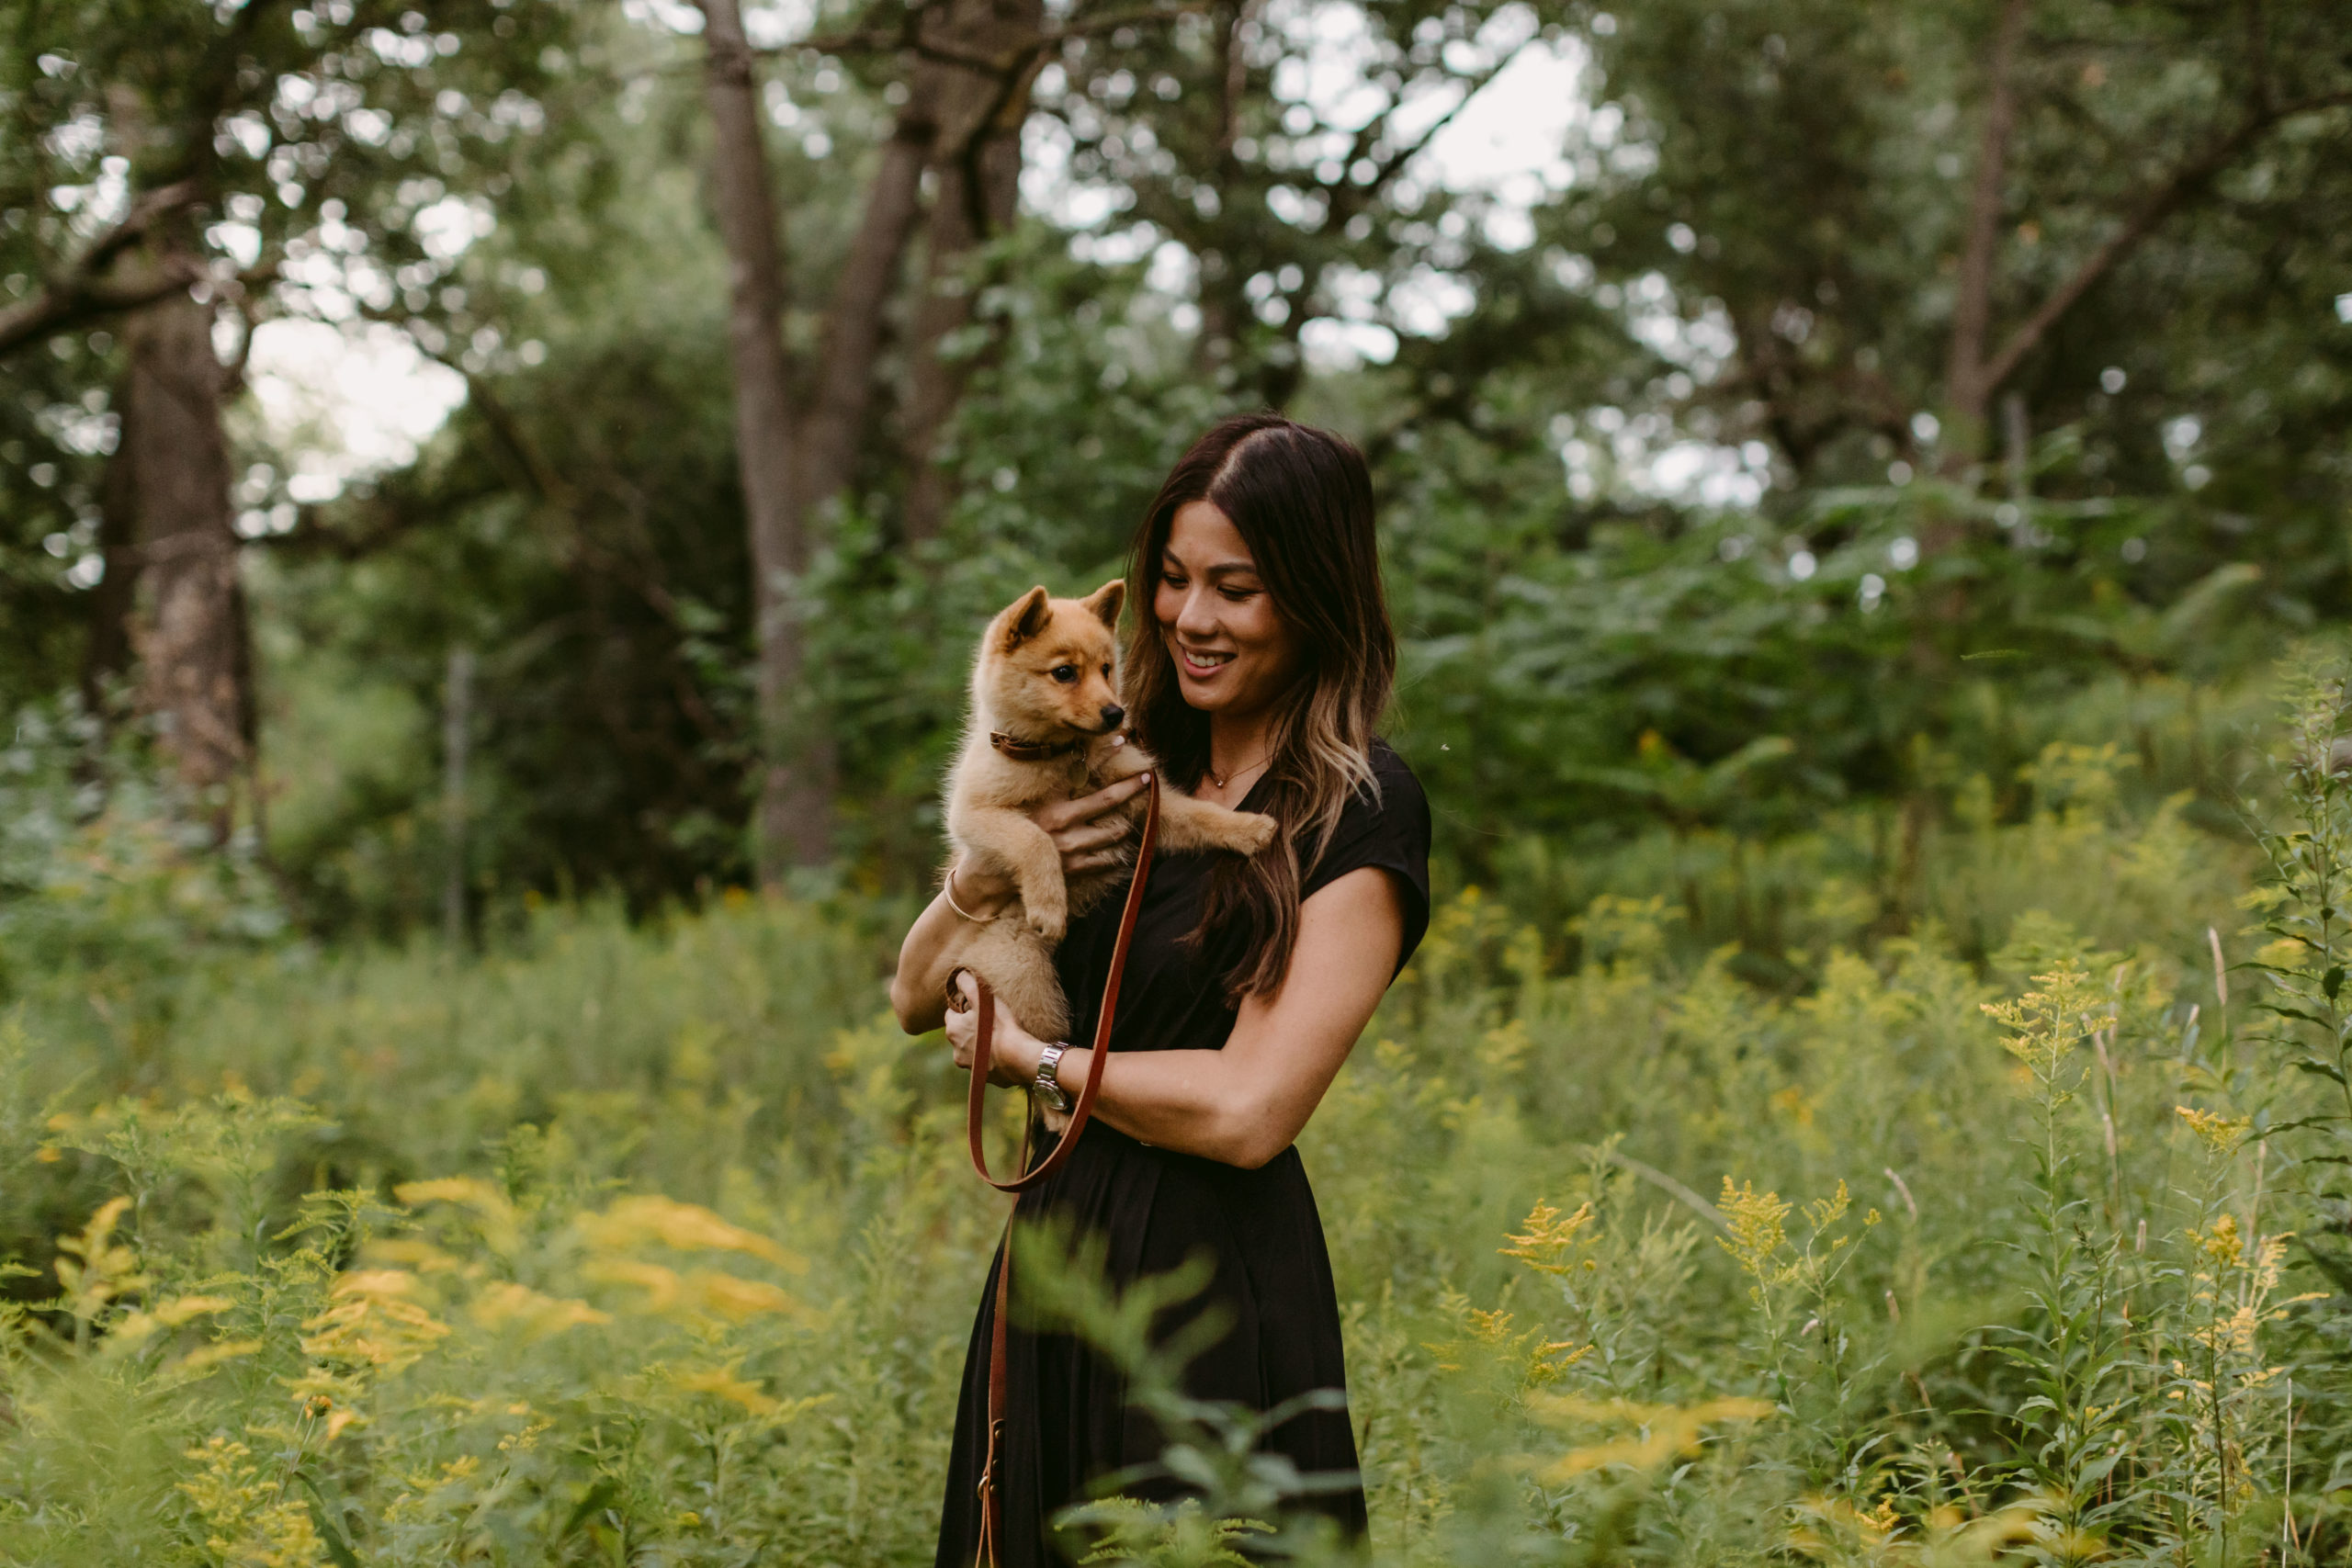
<point x="1048" y="921"/>
<point x="1253" y="832"/>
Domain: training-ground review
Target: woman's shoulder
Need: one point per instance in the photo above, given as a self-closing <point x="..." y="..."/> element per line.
<point x="1389" y="768"/>
<point x="1386" y="824"/>
<point x="1394" y="793"/>
<point x="1386" y="820"/>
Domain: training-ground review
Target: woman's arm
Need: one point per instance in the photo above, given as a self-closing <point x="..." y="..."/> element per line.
<point x="1247" y="1103"/>
<point x="918" y="991"/>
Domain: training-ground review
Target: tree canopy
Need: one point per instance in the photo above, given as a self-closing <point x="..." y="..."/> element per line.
<point x="1841" y="375"/>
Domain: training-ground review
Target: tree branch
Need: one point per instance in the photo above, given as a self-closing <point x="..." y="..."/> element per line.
<point x="1233" y="79"/>
<point x="232" y="374"/>
<point x="907" y="37"/>
<point x="2161" y="203"/>
<point x="861" y="293"/>
<point x="78" y="291"/>
<point x="1966" y="388"/>
<point x="1394" y="164"/>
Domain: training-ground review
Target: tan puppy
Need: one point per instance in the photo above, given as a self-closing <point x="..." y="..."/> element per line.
<point x="1046" y="725"/>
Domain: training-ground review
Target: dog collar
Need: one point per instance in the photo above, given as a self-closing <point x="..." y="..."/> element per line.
<point x="1030" y="750"/>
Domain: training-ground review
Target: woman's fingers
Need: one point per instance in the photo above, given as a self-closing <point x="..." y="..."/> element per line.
<point x="1064" y="814"/>
<point x="964" y="1027"/>
<point x="1100" y="860"/>
<point x="1093" y="836"/>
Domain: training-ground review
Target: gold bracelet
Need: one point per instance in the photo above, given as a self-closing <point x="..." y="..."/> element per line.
<point x="950" y="890"/>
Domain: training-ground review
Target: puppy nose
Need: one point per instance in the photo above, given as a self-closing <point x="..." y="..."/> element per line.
<point x="1111" y="716"/>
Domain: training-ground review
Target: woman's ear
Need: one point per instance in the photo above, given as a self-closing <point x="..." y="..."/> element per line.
<point x="1105" y="602"/>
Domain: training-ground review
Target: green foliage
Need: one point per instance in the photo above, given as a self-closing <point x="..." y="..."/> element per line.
<point x="1749" y="266"/>
<point x="102" y="877"/>
<point x="370" y="1265"/>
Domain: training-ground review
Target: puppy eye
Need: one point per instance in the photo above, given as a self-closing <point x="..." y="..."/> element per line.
<point x="1065" y="673"/>
<point x="1106" y="669"/>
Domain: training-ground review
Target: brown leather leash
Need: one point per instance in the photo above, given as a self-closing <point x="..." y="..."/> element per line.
<point x="992" y="1506"/>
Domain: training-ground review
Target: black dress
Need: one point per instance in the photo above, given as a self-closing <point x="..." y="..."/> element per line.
<point x="1067" y="1418"/>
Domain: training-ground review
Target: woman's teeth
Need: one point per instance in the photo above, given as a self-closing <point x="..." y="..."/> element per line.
<point x="1207" y="663"/>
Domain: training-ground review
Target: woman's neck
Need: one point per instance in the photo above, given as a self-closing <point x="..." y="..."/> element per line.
<point x="1238" y="742"/>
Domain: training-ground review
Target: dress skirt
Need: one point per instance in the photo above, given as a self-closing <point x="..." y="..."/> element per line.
<point x="1068" y="1421"/>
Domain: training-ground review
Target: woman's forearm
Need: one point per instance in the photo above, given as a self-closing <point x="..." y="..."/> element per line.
<point x="1246" y="1103"/>
<point x="918" y="989"/>
<point x="1194" y="1102"/>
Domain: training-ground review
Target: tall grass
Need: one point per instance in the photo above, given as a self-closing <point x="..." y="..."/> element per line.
<point x="1977" y="1215"/>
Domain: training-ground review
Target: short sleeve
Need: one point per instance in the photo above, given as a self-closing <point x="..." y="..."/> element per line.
<point x="1390" y="831"/>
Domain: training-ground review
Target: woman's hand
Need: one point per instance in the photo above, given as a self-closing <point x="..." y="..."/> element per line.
<point x="1084" y="830"/>
<point x="1013" y="1050"/>
<point x="1086" y="835"/>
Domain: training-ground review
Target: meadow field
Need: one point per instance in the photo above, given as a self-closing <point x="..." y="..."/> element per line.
<point x="1721" y="1203"/>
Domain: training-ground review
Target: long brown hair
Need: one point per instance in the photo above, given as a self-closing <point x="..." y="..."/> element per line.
<point x="1301" y="498"/>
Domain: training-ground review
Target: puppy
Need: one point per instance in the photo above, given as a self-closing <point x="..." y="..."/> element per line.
<point x="1046" y="725"/>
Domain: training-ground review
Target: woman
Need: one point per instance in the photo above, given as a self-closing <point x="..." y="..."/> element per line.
<point x="1260" y="660"/>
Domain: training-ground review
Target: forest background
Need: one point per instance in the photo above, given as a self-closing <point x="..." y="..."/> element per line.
<point x="1846" y="480"/>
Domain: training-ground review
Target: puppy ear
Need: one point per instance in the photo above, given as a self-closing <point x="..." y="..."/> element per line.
<point x="1026" y="618"/>
<point x="1105" y="602"/>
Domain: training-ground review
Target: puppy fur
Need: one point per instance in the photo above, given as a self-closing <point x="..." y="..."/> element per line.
<point x="1045" y="676"/>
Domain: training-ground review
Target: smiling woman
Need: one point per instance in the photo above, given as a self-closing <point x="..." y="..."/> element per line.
<point x="1256" y="674"/>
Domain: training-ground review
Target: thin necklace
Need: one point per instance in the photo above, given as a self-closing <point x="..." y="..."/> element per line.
<point x="1221" y="780"/>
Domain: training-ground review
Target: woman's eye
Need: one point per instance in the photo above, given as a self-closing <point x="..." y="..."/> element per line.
<point x="1240" y="596"/>
<point x="1065" y="673"/>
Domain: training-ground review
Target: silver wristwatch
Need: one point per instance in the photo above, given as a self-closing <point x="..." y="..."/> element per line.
<point x="1048" y="1088"/>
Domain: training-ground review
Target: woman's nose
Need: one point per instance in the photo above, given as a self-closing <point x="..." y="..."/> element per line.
<point x="1198" y="614"/>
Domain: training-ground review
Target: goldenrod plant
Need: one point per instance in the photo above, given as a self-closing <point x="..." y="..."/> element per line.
<point x="2005" y="1233"/>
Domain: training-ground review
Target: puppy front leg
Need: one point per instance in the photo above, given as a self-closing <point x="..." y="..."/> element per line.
<point x="1012" y="837"/>
<point x="1188" y="824"/>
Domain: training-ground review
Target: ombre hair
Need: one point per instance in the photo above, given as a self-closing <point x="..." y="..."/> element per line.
<point x="1301" y="498"/>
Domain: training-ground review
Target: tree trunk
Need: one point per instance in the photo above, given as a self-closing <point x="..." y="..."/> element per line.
<point x="1223" y="308"/>
<point x="852" y="336"/>
<point x="976" y="163"/>
<point x="106" y="648"/>
<point x="794" y="823"/>
<point x="1967" y="389"/>
<point x="191" y="638"/>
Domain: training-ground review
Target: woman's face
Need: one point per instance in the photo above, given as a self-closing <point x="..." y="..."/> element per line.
<point x="1234" y="654"/>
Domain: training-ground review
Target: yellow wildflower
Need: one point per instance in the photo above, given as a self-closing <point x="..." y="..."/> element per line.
<point x="1549" y="1238"/>
<point x="685" y="1227"/>
<point x="723" y="1384"/>
<point x="508" y="1303"/>
<point x="1661" y="1432"/>
<point x="1758" y="1225"/>
<point x="2218" y="1134"/>
<point x="246" y="1519"/>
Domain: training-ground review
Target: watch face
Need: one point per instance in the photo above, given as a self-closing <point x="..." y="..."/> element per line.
<point x="1048" y="1086"/>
